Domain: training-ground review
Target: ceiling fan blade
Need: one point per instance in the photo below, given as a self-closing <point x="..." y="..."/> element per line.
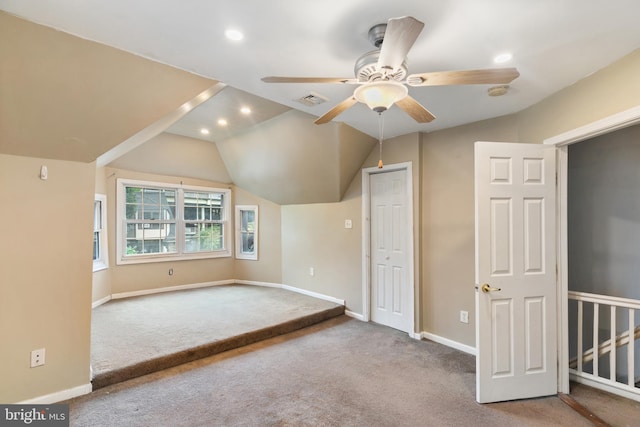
<point x="274" y="79"/>
<point x="331" y="114"/>
<point x="415" y="110"/>
<point x="468" y="77"/>
<point x="400" y="35"/>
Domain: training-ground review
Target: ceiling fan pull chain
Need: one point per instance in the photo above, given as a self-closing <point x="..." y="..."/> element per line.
<point x="380" y="129"/>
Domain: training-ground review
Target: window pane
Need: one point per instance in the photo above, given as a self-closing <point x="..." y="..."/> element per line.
<point x="96" y="245"/>
<point x="201" y="237"/>
<point x="202" y="206"/>
<point x="247" y="243"/>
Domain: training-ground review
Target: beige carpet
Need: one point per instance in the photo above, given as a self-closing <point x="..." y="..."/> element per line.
<point x="136" y="336"/>
<point x="341" y="372"/>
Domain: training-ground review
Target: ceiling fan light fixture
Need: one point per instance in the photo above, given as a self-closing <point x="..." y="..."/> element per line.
<point x="381" y="95"/>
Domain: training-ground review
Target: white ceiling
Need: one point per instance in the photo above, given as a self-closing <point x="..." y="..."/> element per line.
<point x="554" y="42"/>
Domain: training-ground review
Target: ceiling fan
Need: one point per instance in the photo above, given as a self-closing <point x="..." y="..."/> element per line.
<point x="382" y="74"/>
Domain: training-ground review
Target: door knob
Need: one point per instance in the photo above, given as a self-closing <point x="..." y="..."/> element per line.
<point x="486" y="288"/>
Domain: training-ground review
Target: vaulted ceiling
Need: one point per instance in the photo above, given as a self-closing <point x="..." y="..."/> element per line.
<point x="554" y="44"/>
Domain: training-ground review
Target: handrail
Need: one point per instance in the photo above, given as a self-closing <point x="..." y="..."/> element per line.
<point x="606" y="299"/>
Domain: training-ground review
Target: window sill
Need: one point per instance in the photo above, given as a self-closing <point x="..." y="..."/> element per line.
<point x="99" y="266"/>
<point x="142" y="259"/>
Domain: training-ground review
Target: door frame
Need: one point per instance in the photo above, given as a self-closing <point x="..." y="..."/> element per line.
<point x="562" y="141"/>
<point x="366" y="239"/>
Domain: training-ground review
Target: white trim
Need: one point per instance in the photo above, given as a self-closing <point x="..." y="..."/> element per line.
<point x="257" y="283"/>
<point x="157" y="127"/>
<point x="238" y="232"/>
<point x="449" y="343"/>
<point x="604" y="384"/>
<point x="562" y="141"/>
<point x="59" y="396"/>
<point x="313" y="294"/>
<point x="170" y="289"/>
<point x="102" y="263"/>
<point x="355" y="315"/>
<point x="179" y="222"/>
<point x="226" y="282"/>
<point x="366" y="238"/>
<point x="101" y="301"/>
<point x="612" y="123"/>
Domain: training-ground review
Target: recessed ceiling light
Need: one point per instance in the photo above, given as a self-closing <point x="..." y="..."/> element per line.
<point x="234" y="35"/>
<point x="502" y="58"/>
<point x="222" y="122"/>
<point x="245" y="110"/>
<point x="204" y="131"/>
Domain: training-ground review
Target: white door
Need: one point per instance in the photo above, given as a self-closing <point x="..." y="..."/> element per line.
<point x="390" y="285"/>
<point x="516" y="263"/>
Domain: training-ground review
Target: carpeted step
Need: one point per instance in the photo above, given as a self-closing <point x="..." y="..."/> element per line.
<point x="209" y="349"/>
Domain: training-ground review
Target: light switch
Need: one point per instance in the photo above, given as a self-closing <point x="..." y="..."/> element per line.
<point x="347" y="223"/>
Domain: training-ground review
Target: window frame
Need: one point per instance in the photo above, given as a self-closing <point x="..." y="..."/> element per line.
<point x="102" y="261"/>
<point x="239" y="253"/>
<point x="180" y="223"/>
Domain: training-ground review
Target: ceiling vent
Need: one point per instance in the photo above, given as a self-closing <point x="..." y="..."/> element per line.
<point x="312" y="99"/>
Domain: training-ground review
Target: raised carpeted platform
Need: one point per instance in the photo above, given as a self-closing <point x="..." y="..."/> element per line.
<point x="140" y="335"/>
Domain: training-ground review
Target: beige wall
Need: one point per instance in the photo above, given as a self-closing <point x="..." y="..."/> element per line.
<point x="267" y="268"/>
<point x="313" y="235"/>
<point x="45" y="275"/>
<point x="176" y="155"/>
<point x="448" y="232"/>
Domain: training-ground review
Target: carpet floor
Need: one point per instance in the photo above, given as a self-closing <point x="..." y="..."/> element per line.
<point x="341" y="372"/>
<point x="136" y="336"/>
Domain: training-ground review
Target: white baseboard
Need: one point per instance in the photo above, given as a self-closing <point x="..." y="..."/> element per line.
<point x="358" y="316"/>
<point x="100" y="301"/>
<point x="449" y="343"/>
<point x="219" y="283"/>
<point x="171" y="289"/>
<point x="59" y="396"/>
<point x="256" y="283"/>
<point x="313" y="294"/>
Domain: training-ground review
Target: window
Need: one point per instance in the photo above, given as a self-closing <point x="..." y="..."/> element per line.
<point x="247" y="232"/>
<point x="161" y="222"/>
<point x="100" y="261"/>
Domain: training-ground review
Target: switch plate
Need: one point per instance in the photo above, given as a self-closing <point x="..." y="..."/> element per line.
<point x="464" y="316"/>
<point x="348" y="223"/>
<point x="312" y="271"/>
<point x="37" y="357"/>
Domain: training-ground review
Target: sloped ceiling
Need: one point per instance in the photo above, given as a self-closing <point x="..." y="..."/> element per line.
<point x="63" y="97"/>
<point x="290" y="160"/>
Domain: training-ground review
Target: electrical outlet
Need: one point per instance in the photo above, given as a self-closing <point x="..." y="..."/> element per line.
<point x="37" y="357"/>
<point x="464" y="316"/>
<point x="348" y="223"/>
<point x="312" y="271"/>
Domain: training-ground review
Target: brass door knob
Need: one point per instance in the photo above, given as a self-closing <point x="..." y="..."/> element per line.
<point x="486" y="288"/>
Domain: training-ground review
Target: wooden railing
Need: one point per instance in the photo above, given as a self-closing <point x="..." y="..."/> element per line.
<point x="607" y="345"/>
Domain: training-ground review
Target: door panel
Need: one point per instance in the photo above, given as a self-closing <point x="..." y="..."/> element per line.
<point x="515" y="255"/>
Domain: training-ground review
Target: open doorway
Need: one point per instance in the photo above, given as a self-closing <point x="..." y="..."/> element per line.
<point x="596" y="228"/>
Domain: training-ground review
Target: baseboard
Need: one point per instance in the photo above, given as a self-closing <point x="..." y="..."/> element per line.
<point x="449" y="343"/>
<point x="313" y="294"/>
<point x="59" y="396"/>
<point x="101" y="301"/>
<point x="219" y="283"/>
<point x="171" y="289"/>
<point x="256" y="283"/>
<point x="358" y="316"/>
